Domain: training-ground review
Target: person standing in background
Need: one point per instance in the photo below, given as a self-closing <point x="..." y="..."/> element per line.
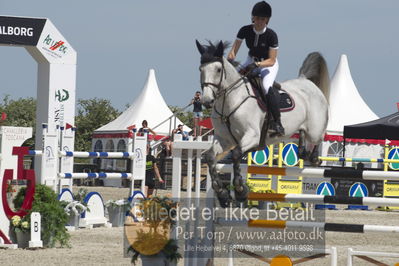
<point x="197" y="110"/>
<point x="151" y="171"/>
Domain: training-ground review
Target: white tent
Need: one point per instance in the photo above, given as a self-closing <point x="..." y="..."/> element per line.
<point x="347" y="106"/>
<point x="150" y="106"/>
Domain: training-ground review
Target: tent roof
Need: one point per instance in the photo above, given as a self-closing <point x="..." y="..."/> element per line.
<point x="347" y="107"/>
<point x="383" y="128"/>
<point x="150" y="106"/>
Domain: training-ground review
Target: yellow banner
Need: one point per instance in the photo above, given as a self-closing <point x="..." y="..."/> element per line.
<point x="391" y="190"/>
<point x="289" y="187"/>
<point x="260" y="185"/>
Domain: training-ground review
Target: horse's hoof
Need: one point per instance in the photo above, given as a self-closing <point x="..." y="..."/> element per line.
<point x="315" y="162"/>
<point x="243" y="195"/>
<point x="302" y="154"/>
<point x="224" y="198"/>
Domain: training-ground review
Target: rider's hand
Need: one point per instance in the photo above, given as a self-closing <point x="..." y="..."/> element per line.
<point x="251" y="67"/>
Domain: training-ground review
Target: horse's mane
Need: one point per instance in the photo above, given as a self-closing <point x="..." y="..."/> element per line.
<point x="211" y="48"/>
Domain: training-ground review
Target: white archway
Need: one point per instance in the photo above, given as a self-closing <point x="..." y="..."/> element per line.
<point x="56" y="76"/>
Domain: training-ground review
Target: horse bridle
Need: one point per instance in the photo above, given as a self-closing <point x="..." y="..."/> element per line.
<point x="224" y="93"/>
<point x="223" y="70"/>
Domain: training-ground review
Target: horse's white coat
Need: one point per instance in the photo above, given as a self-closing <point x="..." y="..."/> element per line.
<point x="310" y="113"/>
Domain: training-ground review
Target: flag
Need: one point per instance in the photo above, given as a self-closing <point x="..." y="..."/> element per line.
<point x="207" y="123"/>
<point x="131" y="127"/>
<point x="3" y="116"/>
<point x="68" y="126"/>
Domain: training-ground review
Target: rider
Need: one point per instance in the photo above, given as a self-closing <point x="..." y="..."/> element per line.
<point x="262" y="43"/>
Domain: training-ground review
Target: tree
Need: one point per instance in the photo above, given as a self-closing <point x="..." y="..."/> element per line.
<point x="91" y="114"/>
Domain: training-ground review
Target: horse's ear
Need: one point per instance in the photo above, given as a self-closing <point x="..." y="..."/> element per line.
<point x="219" y="50"/>
<point x="201" y="48"/>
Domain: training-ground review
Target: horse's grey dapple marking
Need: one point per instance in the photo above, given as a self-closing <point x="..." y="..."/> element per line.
<point x="238" y="120"/>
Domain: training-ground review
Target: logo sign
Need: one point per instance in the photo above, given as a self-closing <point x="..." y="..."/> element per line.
<point x="261" y="157"/>
<point x="20" y="31"/>
<point x="358" y="190"/>
<point x="61" y="95"/>
<point x="54" y="47"/>
<point x="326" y="189"/>
<point x="290" y="154"/>
<point x="394" y="154"/>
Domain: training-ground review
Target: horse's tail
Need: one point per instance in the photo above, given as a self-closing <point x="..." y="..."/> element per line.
<point x="314" y="68"/>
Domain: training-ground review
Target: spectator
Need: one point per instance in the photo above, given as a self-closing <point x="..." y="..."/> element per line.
<point x="145" y="129"/>
<point x="197" y="110"/>
<point x="179" y="130"/>
<point x="167" y="144"/>
<point x="151" y="172"/>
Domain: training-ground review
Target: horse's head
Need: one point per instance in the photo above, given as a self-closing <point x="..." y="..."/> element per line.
<point x="212" y="70"/>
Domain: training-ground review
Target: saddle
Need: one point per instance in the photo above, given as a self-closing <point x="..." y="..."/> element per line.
<point x="286" y="101"/>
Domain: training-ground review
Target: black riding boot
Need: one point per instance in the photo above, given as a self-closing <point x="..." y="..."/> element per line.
<point x="273" y="102"/>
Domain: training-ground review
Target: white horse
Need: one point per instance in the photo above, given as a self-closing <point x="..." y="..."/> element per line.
<point x="238" y="120"/>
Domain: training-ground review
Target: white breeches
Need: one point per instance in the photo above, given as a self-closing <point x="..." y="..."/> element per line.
<point x="268" y="74"/>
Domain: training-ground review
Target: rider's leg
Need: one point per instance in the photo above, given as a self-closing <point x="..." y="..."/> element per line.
<point x="268" y="75"/>
<point x="273" y="97"/>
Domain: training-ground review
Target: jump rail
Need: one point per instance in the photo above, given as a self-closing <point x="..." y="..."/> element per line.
<point x="330" y="173"/>
<point x="321" y="199"/>
<point x="96" y="175"/>
<point x="335" y="227"/>
<point x="365" y="256"/>
<point x="363" y="160"/>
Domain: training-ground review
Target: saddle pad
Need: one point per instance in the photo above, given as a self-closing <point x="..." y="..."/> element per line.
<point x="286" y="101"/>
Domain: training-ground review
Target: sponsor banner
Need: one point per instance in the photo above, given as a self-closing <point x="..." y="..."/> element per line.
<point x="391" y="189"/>
<point x="289" y="186"/>
<point x="355" y="188"/>
<point x="54" y="46"/>
<point x="11" y="137"/>
<point x="260" y="184"/>
<point x="310" y="185"/>
<point x="20" y="31"/>
<point x="62" y="95"/>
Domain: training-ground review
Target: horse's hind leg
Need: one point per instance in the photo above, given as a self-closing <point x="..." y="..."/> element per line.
<point x="240" y="189"/>
<point x="314" y="156"/>
<point x="301" y="146"/>
<point x="217" y="185"/>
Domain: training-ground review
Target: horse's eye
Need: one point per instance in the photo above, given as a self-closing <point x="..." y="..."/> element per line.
<point x="219" y="70"/>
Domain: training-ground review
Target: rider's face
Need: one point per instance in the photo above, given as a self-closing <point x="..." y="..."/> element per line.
<point x="260" y="22"/>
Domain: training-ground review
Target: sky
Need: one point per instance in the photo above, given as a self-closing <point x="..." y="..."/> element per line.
<point x="117" y="42"/>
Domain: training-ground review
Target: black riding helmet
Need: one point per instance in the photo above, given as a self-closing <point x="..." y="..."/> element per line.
<point x="262" y="9"/>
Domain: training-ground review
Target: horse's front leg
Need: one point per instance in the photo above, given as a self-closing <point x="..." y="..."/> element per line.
<point x="217" y="185"/>
<point x="240" y="188"/>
